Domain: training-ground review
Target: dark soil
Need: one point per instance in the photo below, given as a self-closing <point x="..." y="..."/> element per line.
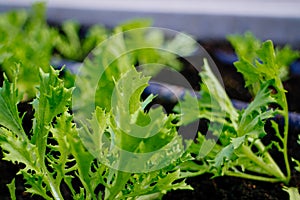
<point x="204" y="186"/>
<point x="228" y="188"/>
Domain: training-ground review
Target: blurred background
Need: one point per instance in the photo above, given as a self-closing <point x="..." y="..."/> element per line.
<point x="278" y="20"/>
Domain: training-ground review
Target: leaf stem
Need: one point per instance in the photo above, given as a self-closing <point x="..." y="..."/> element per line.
<point x="54" y="190"/>
<point x="285" y="114"/>
<point x="251" y="176"/>
<point x="285" y="141"/>
<point x="270" y="167"/>
<point x="275" y="167"/>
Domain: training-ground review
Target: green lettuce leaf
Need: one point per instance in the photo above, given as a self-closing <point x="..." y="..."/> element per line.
<point x="9" y="115"/>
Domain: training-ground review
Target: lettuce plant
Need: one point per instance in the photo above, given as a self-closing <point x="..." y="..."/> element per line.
<point x="26" y="38"/>
<point x="54" y="154"/>
<point x="239" y="148"/>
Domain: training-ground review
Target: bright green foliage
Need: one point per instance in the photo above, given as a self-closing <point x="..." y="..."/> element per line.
<point x="132" y="140"/>
<point x="110" y="141"/>
<point x="96" y="79"/>
<point x="214" y="101"/>
<point x="26" y="38"/>
<point x="117" y="55"/>
<point x="52" y="101"/>
<point x="72" y="46"/>
<point x="9" y="115"/>
<point x="293" y="192"/>
<point x="12" y="189"/>
<point x="239" y="151"/>
<point x="58" y="152"/>
<point x="151" y="49"/>
<point x="245" y="46"/>
<point x="247" y="49"/>
<point x="297" y="164"/>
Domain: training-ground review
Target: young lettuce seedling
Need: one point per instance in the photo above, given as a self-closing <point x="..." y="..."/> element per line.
<point x="59" y="153"/>
<point x="239" y="150"/>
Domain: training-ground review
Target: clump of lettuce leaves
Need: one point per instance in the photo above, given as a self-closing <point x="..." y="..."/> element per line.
<point x="236" y="148"/>
<point x="27" y="39"/>
<point x="57" y="151"/>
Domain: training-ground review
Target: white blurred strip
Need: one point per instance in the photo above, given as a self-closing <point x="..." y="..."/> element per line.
<point x="265" y="8"/>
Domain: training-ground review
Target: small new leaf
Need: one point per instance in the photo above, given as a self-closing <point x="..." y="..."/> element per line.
<point x="53" y="99"/>
<point x="9" y="115"/>
<point x="12" y="189"/>
<point x="18" y="149"/>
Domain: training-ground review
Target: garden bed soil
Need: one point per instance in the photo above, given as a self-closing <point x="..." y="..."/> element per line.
<point x="228" y="188"/>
